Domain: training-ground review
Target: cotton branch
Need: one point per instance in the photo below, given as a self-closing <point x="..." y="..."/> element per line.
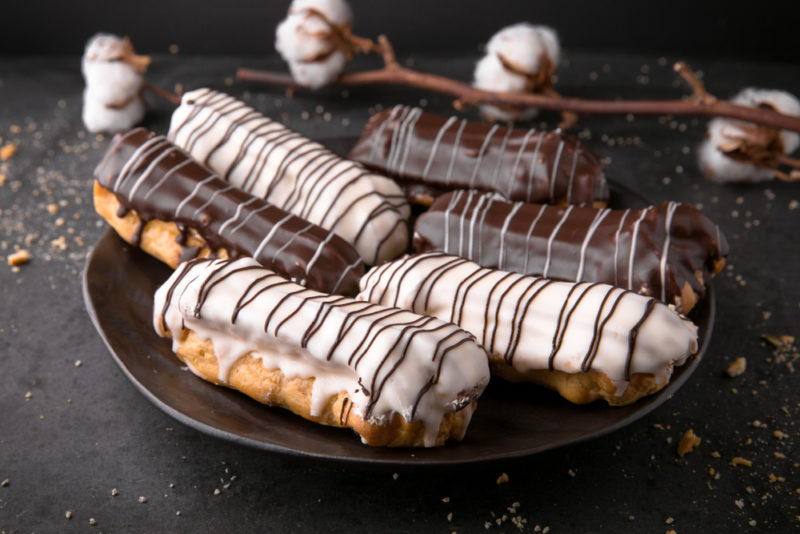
<point x="466" y="95"/>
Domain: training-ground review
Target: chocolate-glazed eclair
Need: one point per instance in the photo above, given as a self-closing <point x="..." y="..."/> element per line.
<point x="587" y="340"/>
<point x="429" y="155"/>
<point x="670" y="251"/>
<point x="270" y="161"/>
<point x="396" y="378"/>
<point x="158" y="198"/>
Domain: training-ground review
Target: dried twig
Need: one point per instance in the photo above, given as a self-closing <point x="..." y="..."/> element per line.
<point x="466" y="95"/>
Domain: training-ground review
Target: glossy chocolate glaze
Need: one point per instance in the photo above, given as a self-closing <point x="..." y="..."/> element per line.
<point x="654" y="251"/>
<point x="157" y="180"/>
<point x="429" y="154"/>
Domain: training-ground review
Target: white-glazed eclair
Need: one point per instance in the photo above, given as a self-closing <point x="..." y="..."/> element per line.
<point x="270" y="161"/>
<point x="395" y="377"/>
<point x="586" y="340"/>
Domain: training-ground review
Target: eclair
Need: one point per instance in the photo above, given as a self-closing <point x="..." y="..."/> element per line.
<point x="670" y="251"/>
<point x="429" y="155"/>
<point x="158" y="198"/>
<point x="586" y="340"/>
<point x="270" y="161"/>
<point x="397" y="378"/>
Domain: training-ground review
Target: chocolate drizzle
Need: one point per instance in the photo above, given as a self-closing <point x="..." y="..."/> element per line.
<point x="266" y="159"/>
<point x="429" y="155"/>
<point x="544" y="312"/>
<point x="158" y="181"/>
<point x="655" y="251"/>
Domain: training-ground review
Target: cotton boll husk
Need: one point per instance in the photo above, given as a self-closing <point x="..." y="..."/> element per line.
<point x="720" y="168"/>
<point x="490" y="75"/>
<point x="524" y="44"/>
<point x="298" y="37"/>
<point x="336" y="11"/>
<point x="721" y="131"/>
<point x="97" y="117"/>
<point x="318" y="74"/>
<point x="781" y="101"/>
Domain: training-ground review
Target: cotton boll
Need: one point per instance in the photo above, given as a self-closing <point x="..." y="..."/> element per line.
<point x="110" y="82"/>
<point x="97" y="117"/>
<point x="336" y="11"/>
<point x="114" y="77"/>
<point x="302" y="37"/>
<point x="309" y="43"/>
<point x="490" y="75"/>
<point x="316" y="74"/>
<point x="780" y="101"/>
<point x="525" y="45"/>
<point x="519" y="58"/>
<point x="723" y="132"/>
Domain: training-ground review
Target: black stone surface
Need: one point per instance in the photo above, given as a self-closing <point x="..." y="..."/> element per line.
<point x="85" y="430"/>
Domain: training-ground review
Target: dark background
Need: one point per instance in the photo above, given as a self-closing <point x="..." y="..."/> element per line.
<point x="85" y="430"/>
<point x="732" y="29"/>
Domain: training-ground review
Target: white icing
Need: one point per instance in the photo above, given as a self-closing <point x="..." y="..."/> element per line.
<point x="294" y="329"/>
<point x="296" y="174"/>
<point x="524" y="318"/>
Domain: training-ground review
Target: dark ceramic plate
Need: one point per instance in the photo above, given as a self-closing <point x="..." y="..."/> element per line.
<point x="512" y="420"/>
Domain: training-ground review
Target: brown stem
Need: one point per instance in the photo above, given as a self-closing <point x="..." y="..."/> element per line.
<point x="170" y="97"/>
<point x="786" y="160"/>
<point x="387" y="52"/>
<point x="468" y="94"/>
<point x="690" y="77"/>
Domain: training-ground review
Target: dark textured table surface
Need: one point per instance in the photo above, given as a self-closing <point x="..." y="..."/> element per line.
<point x="76" y="436"/>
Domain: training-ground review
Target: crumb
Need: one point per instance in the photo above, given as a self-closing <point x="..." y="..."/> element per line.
<point x="60" y="243"/>
<point x="794" y="204"/>
<point x="737" y="367"/>
<point x="68" y="514"/>
<point x="5" y="483"/>
<point x="217" y="491"/>
<point x="780" y="435"/>
<point x="177" y="512"/>
<point x="671" y="531"/>
<point x="7" y="152"/>
<point x="2" y="179"/>
<point x="114" y="492"/>
<point x="142" y="499"/>
<point x="739" y="503"/>
<point x="738" y="460"/>
<point x="752" y="522"/>
<point x="92" y="521"/>
<point x="450" y="517"/>
<point x="52" y="209"/>
<point x="669" y="520"/>
<point x="445" y="499"/>
<point x="173" y="49"/>
<point x="502" y="479"/>
<point x="28" y="395"/>
<point x="78" y="363"/>
<point x="19" y="257"/>
<point x="688" y="443"/>
<point x="395" y="476"/>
